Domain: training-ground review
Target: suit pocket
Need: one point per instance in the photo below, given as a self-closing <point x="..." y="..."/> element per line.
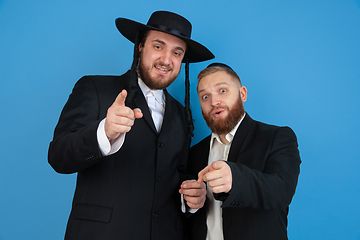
<point x="92" y="212"/>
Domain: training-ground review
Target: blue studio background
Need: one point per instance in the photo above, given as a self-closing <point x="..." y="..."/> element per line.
<point x="300" y="61"/>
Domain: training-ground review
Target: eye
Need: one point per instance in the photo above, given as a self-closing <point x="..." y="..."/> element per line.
<point x="205" y="97"/>
<point x="157" y="47"/>
<point x="223" y="90"/>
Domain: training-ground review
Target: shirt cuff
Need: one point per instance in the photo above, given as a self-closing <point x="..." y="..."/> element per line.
<point x="184" y="207"/>
<point x="108" y="147"/>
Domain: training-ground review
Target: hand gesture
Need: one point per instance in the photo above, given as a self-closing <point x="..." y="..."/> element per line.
<point x="218" y="177"/>
<point x="194" y="193"/>
<point x="120" y="118"/>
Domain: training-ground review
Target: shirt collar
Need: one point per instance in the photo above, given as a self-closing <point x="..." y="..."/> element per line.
<point x="229" y="136"/>
<point x="159" y="94"/>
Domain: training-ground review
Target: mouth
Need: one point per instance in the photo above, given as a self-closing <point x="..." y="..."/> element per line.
<point x="162" y="69"/>
<point x="218" y="113"/>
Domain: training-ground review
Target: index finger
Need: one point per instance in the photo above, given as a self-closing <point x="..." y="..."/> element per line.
<point x="120" y="99"/>
<point x="202" y="173"/>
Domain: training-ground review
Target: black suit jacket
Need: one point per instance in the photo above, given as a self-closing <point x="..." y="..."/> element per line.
<point x="132" y="194"/>
<point x="265" y="165"/>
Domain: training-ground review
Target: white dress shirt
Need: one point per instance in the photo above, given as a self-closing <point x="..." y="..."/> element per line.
<point x="156" y="103"/>
<point x="218" y="151"/>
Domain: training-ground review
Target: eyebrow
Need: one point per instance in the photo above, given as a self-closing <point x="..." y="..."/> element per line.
<point x="218" y="84"/>
<point x="164" y="43"/>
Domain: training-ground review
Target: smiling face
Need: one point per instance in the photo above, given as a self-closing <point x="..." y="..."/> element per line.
<point x="221" y="98"/>
<point x="160" y="59"/>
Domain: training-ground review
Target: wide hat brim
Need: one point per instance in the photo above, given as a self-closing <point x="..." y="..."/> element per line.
<point x="195" y="51"/>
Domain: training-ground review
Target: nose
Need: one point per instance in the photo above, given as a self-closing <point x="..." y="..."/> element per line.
<point x="215" y="101"/>
<point x="166" y="57"/>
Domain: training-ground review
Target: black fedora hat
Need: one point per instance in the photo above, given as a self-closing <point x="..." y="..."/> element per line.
<point x="170" y="23"/>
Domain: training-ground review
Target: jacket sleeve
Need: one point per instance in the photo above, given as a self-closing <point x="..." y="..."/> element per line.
<point x="74" y="146"/>
<point x="274" y="186"/>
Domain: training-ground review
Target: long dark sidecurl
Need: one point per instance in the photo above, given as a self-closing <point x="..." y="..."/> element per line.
<point x="189" y="118"/>
<point x="140" y="38"/>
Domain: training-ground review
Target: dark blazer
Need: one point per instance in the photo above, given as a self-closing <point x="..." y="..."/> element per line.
<point x="265" y="165"/>
<point x="132" y="194"/>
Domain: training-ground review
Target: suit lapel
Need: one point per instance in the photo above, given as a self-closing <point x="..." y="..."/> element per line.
<point x="239" y="138"/>
<point x="140" y="102"/>
<point x="205" y="154"/>
<point x="169" y="111"/>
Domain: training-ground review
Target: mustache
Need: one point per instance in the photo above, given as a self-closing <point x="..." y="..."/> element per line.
<point x="220" y="107"/>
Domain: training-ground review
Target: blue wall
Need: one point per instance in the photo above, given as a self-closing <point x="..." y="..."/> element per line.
<point x="300" y="61"/>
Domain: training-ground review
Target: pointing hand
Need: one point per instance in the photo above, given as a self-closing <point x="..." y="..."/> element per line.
<point x="218" y="176"/>
<point x="120" y="118"/>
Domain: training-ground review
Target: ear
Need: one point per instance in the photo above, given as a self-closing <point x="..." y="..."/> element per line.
<point x="243" y="93"/>
<point x="140" y="47"/>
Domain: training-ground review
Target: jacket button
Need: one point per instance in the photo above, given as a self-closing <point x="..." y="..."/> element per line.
<point x="160" y="144"/>
<point x="154" y="215"/>
<point x="158" y="179"/>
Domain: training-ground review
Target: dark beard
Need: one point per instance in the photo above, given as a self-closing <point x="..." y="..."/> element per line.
<point x="150" y="82"/>
<point x="224" y="126"/>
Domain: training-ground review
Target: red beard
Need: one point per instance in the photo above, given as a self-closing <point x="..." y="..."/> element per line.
<point x="225" y="125"/>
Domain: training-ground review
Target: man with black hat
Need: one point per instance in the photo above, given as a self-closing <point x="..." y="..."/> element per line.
<point x="251" y="168"/>
<point x="128" y="139"/>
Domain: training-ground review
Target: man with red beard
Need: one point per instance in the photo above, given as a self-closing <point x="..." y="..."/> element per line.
<point x="251" y="168"/>
<point x="128" y="139"/>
